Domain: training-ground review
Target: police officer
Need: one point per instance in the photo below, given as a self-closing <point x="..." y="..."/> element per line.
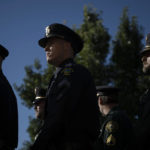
<point x="116" y="131"/>
<point x="143" y="126"/>
<point x="39" y="107"/>
<point x="71" y="120"/>
<point x="39" y="102"/>
<point x="8" y="111"/>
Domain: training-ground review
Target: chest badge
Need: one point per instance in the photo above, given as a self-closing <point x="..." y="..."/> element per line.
<point x="67" y="71"/>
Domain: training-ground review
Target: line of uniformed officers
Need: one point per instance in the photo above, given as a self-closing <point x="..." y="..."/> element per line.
<point x="70" y="107"/>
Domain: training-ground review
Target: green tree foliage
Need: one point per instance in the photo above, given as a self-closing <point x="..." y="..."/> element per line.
<point x="96" y="44"/>
<point x="125" y="66"/>
<point x="35" y="76"/>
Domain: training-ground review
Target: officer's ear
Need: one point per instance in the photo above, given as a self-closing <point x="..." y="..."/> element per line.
<point x="100" y="100"/>
<point x="68" y="47"/>
<point x="66" y="44"/>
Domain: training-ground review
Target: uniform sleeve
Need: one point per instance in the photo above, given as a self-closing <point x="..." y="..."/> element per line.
<point x="112" y="137"/>
<point x="9" y="114"/>
<point x="4" y="112"/>
<point x="142" y="133"/>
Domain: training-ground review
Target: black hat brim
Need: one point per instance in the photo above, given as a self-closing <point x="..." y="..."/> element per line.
<point x="146" y="50"/>
<point x="43" y="41"/>
<point x="3" y="52"/>
<point x="106" y="90"/>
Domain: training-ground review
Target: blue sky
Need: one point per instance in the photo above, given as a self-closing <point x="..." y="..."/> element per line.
<point x="23" y="22"/>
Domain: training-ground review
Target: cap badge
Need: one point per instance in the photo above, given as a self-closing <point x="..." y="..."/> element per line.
<point x="47" y="30"/>
<point x="35" y="90"/>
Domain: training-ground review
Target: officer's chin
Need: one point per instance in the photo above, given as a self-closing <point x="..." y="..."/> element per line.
<point x="146" y="71"/>
<point x="49" y="60"/>
<point x="37" y="115"/>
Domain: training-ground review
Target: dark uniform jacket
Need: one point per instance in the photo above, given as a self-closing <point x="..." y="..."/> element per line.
<point x="143" y="126"/>
<point x="116" y="132"/>
<point x="9" y="114"/>
<point x="71" y="111"/>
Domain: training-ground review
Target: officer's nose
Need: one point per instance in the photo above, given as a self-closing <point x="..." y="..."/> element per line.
<point x="144" y="58"/>
<point x="35" y="107"/>
<point x="47" y="48"/>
